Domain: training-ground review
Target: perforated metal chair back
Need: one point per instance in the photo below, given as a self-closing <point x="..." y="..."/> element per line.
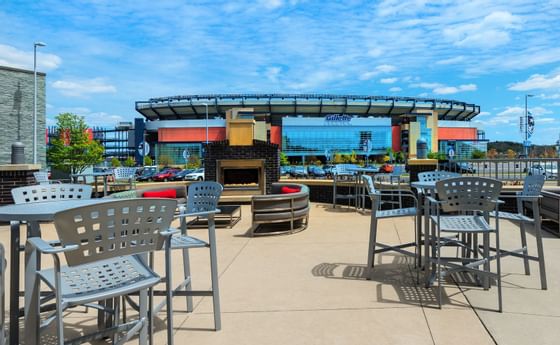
<point x="532" y="186"/>
<point x="434" y="176"/>
<point x="203" y="196"/>
<point x="124" y="173"/>
<point x="42" y="177"/>
<point x="112" y="229"/>
<point x="370" y="186"/>
<point x="51" y="192"/>
<point x="468" y="193"/>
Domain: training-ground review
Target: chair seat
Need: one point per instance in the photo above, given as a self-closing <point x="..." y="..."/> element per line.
<point x="185" y="242"/>
<point x="463" y="223"/>
<point x="516" y="217"/>
<point x="398" y="212"/>
<point x="102" y="279"/>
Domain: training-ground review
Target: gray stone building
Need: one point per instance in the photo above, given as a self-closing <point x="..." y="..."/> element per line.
<point x="16" y="113"/>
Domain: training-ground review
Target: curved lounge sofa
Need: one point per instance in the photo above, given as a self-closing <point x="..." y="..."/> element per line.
<point x="275" y="208"/>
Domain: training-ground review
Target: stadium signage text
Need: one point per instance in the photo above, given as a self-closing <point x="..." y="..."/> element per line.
<point x="338" y="118"/>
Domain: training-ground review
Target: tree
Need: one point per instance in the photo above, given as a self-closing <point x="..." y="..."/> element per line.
<point x="194" y="162"/>
<point x="129" y="162"/>
<point x="73" y="150"/>
<point x="477" y="154"/>
<point x="492" y="153"/>
<point x="115" y="162"/>
<point x="148" y="160"/>
<point x="511" y="154"/>
<point x="284" y="159"/>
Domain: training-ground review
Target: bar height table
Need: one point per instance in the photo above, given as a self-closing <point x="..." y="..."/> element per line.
<point x="95" y="176"/>
<point x="33" y="214"/>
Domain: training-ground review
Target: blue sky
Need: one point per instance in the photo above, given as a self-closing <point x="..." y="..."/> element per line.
<point x="102" y="56"/>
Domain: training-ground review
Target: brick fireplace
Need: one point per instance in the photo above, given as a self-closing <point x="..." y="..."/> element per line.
<point x="243" y="169"/>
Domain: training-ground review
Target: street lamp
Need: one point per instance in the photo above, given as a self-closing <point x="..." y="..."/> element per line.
<point x="35" y="45"/>
<point x="526" y="143"/>
<point x="206" y="105"/>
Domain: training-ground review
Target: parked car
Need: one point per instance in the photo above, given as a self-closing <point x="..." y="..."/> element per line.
<point x="197" y="175"/>
<point x="316" y="171"/>
<point x="549" y="172"/>
<point x="165" y="175"/>
<point x="147" y="174"/>
<point x="299" y="171"/>
<point x="460" y="167"/>
<point x="285" y="170"/>
<point x="180" y="176"/>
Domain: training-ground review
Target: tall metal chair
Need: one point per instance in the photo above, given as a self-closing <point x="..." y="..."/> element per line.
<point x="101" y="244"/>
<point x="434" y="176"/>
<point x="202" y="201"/>
<point x="51" y="192"/>
<point x="124" y="176"/>
<point x="531" y="194"/>
<point x="458" y="196"/>
<point x="376" y="214"/>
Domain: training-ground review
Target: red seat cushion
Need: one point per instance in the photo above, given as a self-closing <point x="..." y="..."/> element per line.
<point x="165" y="193"/>
<point x="289" y="190"/>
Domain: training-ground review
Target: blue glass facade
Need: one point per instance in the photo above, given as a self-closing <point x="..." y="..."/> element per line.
<point x="425" y="132"/>
<point x="463" y="148"/>
<point x="338" y="134"/>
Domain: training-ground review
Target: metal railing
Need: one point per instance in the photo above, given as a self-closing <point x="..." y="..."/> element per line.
<point x="506" y="169"/>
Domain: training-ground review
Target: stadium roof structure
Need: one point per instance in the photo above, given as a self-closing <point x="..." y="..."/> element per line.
<point x="310" y="105"/>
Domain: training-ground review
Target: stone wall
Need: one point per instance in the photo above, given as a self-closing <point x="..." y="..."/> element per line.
<point x="16" y="113"/>
<point x="259" y="150"/>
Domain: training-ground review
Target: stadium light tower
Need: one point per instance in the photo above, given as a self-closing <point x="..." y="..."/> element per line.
<point x="35" y="45"/>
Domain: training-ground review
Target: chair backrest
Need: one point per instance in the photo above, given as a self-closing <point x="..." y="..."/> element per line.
<point x="203" y="196"/>
<point x="111" y="229"/>
<point x="532" y="186"/>
<point x="434" y="176"/>
<point x="50" y="192"/>
<point x="468" y="193"/>
<point x="42" y="177"/>
<point x="370" y="186"/>
<point x="124" y="173"/>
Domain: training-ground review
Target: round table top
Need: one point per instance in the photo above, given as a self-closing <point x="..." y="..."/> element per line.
<point x="43" y="211"/>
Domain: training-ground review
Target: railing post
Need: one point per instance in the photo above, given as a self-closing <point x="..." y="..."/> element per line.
<point x="496" y="170"/>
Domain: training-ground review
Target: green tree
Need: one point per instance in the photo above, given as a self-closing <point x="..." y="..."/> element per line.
<point x="194" y="162"/>
<point x="129" y="162"/>
<point x="284" y="159"/>
<point x="477" y="154"/>
<point x="115" y="162"/>
<point x="73" y="150"/>
<point x="148" y="160"/>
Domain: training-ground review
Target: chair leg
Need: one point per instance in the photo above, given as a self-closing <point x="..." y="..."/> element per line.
<point x="187" y="275"/>
<point x="372" y="242"/>
<point x="540" y="251"/>
<point x="169" y="295"/>
<point x="214" y="273"/>
<point x="438" y="270"/>
<point x="486" y="254"/>
<point x="499" y="271"/>
<point x="143" y="314"/>
<point x="525" y="251"/>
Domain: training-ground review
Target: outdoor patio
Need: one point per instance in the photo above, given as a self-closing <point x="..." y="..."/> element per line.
<point x="310" y="288"/>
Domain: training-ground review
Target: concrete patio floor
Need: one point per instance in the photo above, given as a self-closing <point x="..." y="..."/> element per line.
<point x="311" y="288"/>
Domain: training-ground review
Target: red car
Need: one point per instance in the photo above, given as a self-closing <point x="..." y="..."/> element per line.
<point x="165" y="175"/>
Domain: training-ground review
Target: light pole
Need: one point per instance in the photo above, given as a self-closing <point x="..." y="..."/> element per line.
<point x="526" y="142"/>
<point x="206" y="106"/>
<point x="35" y="45"/>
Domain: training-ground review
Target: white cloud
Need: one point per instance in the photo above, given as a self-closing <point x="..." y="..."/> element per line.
<point x="272" y="73"/>
<point x="381" y="69"/>
<point x="13" y="57"/>
<point x="442" y="89"/>
<point x="92" y="118"/>
<point x="395" y="89"/>
<point x="273" y="4"/>
<point x="538" y="82"/>
<point x="78" y="88"/>
<point x="492" y="31"/>
<point x="451" y="61"/>
<point x="375" y="52"/>
<point x="510" y="116"/>
<point x="388" y="80"/>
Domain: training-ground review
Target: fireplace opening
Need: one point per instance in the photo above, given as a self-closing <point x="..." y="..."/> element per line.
<point x="241" y="177"/>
